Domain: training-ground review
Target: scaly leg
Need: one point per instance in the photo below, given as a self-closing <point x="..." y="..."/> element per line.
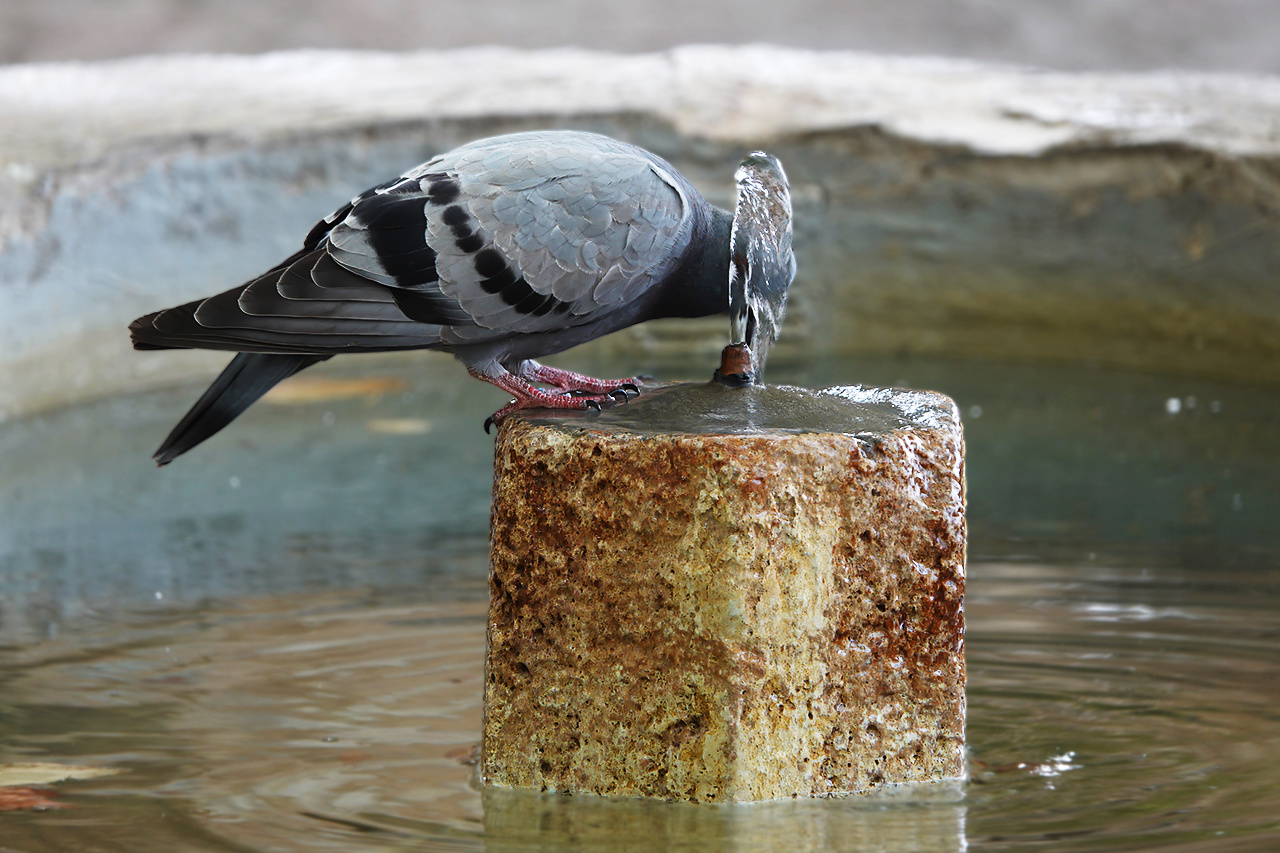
<point x="529" y="397"/>
<point x="570" y="381"/>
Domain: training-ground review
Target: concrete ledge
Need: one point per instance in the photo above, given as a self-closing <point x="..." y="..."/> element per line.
<point x="69" y="114"/>
<point x="941" y="206"/>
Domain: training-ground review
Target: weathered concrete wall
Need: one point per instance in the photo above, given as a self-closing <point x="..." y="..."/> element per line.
<point x="941" y="207"/>
<point x="1079" y="35"/>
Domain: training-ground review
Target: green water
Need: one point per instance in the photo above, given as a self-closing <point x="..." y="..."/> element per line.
<point x="278" y="640"/>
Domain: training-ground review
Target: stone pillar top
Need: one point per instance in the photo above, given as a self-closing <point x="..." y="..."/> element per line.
<point x="714" y="409"/>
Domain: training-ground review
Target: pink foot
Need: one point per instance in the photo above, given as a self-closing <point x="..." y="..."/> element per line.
<point x="570" y="381"/>
<point x="577" y="392"/>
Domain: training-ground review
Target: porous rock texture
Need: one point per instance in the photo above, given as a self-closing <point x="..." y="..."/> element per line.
<point x="717" y="617"/>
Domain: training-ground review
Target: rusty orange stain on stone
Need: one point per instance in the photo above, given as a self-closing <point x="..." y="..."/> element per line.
<point x="725" y="618"/>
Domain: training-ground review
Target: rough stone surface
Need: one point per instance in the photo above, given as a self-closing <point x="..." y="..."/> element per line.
<point x="716" y="617"/>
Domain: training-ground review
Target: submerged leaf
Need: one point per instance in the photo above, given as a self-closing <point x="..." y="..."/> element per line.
<point x="48" y="772"/>
<point x="399" y="426"/>
<point x="319" y="389"/>
<point x="20" y="798"/>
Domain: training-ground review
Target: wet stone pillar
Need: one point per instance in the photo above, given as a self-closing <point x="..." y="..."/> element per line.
<point x="727" y="595"/>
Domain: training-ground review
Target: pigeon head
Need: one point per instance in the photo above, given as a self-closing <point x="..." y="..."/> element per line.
<point x="762" y="265"/>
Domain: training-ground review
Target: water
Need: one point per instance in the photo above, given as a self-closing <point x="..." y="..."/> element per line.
<point x="278" y="640"/>
<point x="713" y="407"/>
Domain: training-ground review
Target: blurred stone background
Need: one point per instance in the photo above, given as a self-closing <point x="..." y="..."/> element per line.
<point x="1130" y="35"/>
<point x="1072" y="181"/>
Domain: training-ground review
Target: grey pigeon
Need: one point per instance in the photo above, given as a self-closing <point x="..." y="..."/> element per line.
<point x="501" y="251"/>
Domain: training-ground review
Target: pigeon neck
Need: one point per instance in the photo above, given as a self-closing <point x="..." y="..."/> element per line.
<point x="700" y="286"/>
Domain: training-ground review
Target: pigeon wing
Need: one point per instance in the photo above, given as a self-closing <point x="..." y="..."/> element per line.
<point x="308" y="305"/>
<point x="506" y="236"/>
<point x="526" y="233"/>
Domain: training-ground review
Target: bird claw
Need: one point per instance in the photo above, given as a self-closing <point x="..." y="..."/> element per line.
<point x="591" y="402"/>
<point x="622" y="393"/>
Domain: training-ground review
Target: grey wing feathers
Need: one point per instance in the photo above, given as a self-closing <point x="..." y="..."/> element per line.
<point x="505" y="236"/>
<point x="311" y="305"/>
<point x="596" y="223"/>
<point x="529" y="232"/>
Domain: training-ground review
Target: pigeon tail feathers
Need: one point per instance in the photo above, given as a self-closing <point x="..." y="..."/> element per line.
<point x="241" y="384"/>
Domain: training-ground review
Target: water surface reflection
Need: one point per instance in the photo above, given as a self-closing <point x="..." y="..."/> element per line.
<point x="281" y="641"/>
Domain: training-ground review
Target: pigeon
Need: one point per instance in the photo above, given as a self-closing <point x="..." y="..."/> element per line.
<point x="500" y="252"/>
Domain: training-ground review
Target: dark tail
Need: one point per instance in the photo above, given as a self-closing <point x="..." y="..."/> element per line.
<point x="247" y="377"/>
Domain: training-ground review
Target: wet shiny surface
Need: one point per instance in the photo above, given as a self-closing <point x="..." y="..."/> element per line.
<point x="309" y="676"/>
<point x="713" y="408"/>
